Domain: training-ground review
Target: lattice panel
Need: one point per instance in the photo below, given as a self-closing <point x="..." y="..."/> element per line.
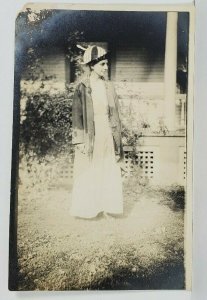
<point x="184" y="165"/>
<point x="148" y="163"/>
<point x="66" y="171"/>
<point x="61" y="173"/>
<point x="144" y="160"/>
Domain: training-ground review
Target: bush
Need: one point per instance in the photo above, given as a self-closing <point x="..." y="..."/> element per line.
<point x="174" y="197"/>
<point x="46" y="122"/>
<point x="177" y="194"/>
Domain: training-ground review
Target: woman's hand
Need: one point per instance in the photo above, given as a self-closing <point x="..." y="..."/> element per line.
<point x="81" y="148"/>
<point x="123" y="168"/>
<point x="122" y="165"/>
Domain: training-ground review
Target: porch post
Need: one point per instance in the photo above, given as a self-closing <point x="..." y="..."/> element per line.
<point x="170" y="69"/>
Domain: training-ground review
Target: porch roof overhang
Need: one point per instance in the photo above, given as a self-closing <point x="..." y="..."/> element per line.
<point x="146" y="29"/>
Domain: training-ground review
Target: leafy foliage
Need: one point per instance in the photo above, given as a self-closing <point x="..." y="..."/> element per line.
<point x="46" y="112"/>
<point x="130" y="138"/>
<point x="46" y="123"/>
<point x="175" y="197"/>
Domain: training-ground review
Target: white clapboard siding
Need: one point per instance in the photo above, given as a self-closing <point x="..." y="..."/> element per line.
<point x="133" y="64"/>
<point x="54" y="64"/>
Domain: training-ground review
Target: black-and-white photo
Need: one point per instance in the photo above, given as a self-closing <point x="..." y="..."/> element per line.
<point x="101" y="164"/>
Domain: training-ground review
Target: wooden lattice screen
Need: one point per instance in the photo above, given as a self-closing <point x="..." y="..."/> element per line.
<point x="145" y="164"/>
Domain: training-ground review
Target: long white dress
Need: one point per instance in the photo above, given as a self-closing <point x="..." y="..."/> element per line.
<point x="97" y="183"/>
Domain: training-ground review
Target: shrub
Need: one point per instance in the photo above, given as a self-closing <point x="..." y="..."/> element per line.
<point x="46" y="122"/>
<point x="174" y="196"/>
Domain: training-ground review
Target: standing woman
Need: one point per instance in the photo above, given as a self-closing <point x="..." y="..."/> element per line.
<point x="97" y="138"/>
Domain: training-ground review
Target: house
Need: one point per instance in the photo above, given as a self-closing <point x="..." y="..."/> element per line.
<point x="148" y="65"/>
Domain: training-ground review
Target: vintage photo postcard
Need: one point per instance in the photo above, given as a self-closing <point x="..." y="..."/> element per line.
<point x="101" y="186"/>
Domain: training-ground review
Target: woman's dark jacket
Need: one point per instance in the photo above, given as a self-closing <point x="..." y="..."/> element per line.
<point x="83" y="117"/>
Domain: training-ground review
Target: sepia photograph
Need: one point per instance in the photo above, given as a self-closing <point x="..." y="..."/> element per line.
<point x="101" y="185"/>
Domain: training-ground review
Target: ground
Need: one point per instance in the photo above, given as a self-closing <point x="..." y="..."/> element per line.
<point x="143" y="249"/>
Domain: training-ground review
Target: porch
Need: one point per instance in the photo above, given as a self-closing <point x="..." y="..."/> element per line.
<point x="149" y="71"/>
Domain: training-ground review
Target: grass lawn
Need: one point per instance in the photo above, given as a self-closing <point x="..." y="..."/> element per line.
<point x="143" y="249"/>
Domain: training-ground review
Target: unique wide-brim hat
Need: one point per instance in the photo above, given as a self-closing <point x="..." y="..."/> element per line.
<point x="93" y="54"/>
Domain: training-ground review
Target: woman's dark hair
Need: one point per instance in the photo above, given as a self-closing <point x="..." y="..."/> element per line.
<point x="95" y="61"/>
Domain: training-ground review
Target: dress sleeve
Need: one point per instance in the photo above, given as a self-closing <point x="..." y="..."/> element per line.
<point x="119" y="133"/>
<point x="77" y="119"/>
<point x="116" y="101"/>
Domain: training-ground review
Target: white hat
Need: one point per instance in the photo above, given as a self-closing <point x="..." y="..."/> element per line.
<point x="92" y="53"/>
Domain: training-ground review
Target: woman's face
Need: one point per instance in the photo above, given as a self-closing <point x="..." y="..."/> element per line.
<point x="101" y="68"/>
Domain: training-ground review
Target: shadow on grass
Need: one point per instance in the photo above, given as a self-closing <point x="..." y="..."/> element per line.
<point x="169" y="276"/>
<point x="173" y="197"/>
